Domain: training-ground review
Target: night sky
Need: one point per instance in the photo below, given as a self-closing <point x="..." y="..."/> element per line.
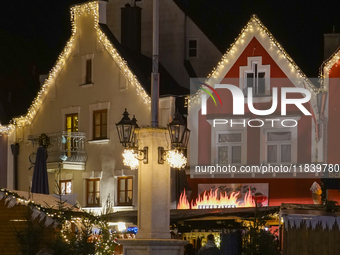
<point x="33" y="33"/>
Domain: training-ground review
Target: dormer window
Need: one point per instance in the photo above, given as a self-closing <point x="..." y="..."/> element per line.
<point x="256" y="76"/>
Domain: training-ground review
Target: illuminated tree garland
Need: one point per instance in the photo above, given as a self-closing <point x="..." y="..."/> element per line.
<point x="76" y="11"/>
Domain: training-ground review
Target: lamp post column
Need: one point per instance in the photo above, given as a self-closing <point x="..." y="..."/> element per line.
<point x="153" y="187"/>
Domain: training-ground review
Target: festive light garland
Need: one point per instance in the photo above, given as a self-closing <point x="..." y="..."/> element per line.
<point x="130" y="159"/>
<point x="176" y="159"/>
<point x="12" y="199"/>
<point x="254" y="21"/>
<point x="328" y="64"/>
<point x="76" y="11"/>
<point x="59" y="218"/>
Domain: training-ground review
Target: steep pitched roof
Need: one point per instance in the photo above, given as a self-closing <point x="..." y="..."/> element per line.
<point x="255" y="28"/>
<point x="141" y="66"/>
<point x="136" y="67"/>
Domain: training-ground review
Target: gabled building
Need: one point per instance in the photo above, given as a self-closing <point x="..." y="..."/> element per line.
<point x="222" y="134"/>
<point x="184" y="50"/>
<point x="94" y="79"/>
<point x="329" y="117"/>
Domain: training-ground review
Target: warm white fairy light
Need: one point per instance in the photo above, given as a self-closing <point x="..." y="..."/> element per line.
<point x="273" y="42"/>
<point x="176" y="159"/>
<point x="76" y="11"/>
<point x="130" y="159"/>
<point x="327" y="65"/>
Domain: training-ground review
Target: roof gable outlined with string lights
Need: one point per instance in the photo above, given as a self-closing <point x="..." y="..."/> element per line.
<point x="254" y="33"/>
<point x="91" y="8"/>
<point x="256" y="29"/>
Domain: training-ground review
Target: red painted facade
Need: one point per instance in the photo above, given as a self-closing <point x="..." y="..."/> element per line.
<point x="288" y="190"/>
<point x="333" y="114"/>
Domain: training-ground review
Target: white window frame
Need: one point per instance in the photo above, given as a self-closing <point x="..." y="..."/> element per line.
<point x="244" y="70"/>
<point x="226" y="129"/>
<point x="187" y="47"/>
<point x="267" y="128"/>
<point x="278" y="145"/>
<point x="229" y="145"/>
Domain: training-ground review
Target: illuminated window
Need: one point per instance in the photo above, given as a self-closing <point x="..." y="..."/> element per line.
<point x="100" y="124"/>
<point x="125" y="190"/>
<point x="71" y="126"/>
<point x="192" y="48"/>
<point x="229" y="148"/>
<point x="93" y="192"/>
<point x="72" y="122"/>
<point x="65" y="187"/>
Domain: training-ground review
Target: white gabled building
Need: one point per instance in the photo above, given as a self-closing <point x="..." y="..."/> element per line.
<point x="93" y="80"/>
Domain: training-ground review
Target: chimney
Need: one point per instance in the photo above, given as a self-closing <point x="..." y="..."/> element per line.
<point x="131" y="27"/>
<point x="102" y="11"/>
<point x="42" y="78"/>
<point x="331" y="43"/>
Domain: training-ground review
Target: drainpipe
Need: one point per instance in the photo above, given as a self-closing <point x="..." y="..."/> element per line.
<point x="155" y="60"/>
<point x="15" y="153"/>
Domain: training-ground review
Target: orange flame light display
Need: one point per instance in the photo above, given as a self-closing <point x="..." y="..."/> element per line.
<point x="211" y="200"/>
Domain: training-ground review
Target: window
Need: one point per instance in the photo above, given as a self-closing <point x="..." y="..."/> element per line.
<point x="192" y="48"/>
<point x="255" y="76"/>
<point x="125" y="190"/>
<point x="88" y="77"/>
<point x="72" y="122"/>
<point x="65" y="187"/>
<point x="229" y="148"/>
<point x="71" y="126"/>
<point x="256" y="79"/>
<point x="93" y="192"/>
<point x="100" y="124"/>
<point x="279" y="147"/>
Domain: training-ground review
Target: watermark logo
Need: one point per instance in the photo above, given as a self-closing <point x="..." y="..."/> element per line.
<point x="239" y="98"/>
<point x="208" y="92"/>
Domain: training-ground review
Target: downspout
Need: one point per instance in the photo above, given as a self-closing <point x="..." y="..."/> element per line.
<point x="15" y="153"/>
<point x="155" y="60"/>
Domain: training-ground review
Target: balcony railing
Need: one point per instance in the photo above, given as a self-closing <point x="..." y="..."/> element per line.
<point x="65" y="146"/>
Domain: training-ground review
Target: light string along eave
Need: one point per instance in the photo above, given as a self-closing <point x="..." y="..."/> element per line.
<point x="233" y="48"/>
<point x="77" y="10"/>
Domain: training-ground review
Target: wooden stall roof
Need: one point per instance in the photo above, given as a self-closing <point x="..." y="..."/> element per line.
<point x="310" y="209"/>
<point x="45" y="200"/>
<point x="178" y="215"/>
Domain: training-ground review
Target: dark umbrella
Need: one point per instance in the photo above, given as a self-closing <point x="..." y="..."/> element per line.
<point x="40" y="178"/>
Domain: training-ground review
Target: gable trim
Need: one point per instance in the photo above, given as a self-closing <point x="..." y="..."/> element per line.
<point x="255" y="28"/>
<point x="76" y="10"/>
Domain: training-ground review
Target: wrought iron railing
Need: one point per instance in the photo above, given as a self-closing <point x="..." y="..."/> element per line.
<point x="64" y="146"/>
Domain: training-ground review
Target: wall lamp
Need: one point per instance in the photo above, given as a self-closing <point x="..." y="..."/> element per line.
<point x="127" y="137"/>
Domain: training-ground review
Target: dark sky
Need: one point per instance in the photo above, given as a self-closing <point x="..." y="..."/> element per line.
<point x="33" y="33"/>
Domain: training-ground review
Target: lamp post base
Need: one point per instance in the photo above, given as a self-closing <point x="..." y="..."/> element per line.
<point x="152" y="246"/>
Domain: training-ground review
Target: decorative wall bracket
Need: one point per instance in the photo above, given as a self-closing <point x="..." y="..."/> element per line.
<point x="144" y="154"/>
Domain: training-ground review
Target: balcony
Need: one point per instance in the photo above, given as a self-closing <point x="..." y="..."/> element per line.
<point x="67" y="150"/>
